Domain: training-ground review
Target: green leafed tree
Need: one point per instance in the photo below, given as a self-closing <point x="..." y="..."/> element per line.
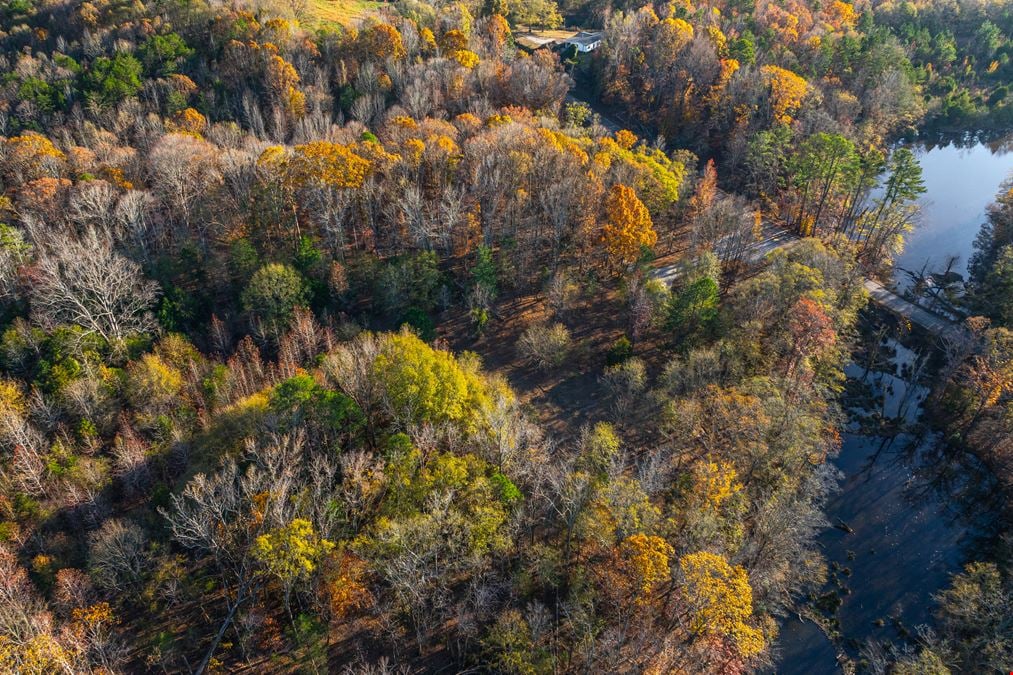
<point x="272" y="295"/>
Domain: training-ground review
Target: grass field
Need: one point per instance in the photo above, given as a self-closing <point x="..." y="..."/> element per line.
<point x="344" y="12"/>
<point x="558" y="34"/>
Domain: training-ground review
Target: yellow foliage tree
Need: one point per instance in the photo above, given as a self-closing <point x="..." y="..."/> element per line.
<point x="189" y="121"/>
<point x="842" y="15"/>
<point x="322" y="162"/>
<point x="715" y="482"/>
<point x="628" y="226"/>
<point x="646" y="558"/>
<point x="625" y="139"/>
<point x="453" y="40"/>
<point x="786" y="92"/>
<point x="466" y="58"/>
<point x="423" y="384"/>
<point x="282" y="80"/>
<point x="676" y="32"/>
<point x="428" y="40"/>
<point x="29" y="156"/>
<point x="153" y="384"/>
<point x="720" y="601"/>
<point x="292" y="552"/>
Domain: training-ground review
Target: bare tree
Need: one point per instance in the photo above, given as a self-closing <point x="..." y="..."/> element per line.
<point x="26" y="446"/>
<point x="222" y="514"/>
<point x="86" y="283"/>
<point x="116" y="556"/>
<point x="184" y="170"/>
<point x="545" y="347"/>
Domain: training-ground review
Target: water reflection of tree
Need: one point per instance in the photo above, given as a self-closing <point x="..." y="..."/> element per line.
<point x="967" y="488"/>
<point x="997" y="141"/>
<point x="943" y="472"/>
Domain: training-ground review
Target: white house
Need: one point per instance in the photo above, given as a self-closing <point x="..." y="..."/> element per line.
<point x="585" y="41"/>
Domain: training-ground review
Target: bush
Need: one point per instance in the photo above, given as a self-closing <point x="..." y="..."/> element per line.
<point x="545" y="346"/>
<point x="621" y="350"/>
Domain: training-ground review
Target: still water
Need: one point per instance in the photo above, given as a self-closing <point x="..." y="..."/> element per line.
<point x="961" y="180"/>
<point x="904" y="504"/>
<point x="897" y="538"/>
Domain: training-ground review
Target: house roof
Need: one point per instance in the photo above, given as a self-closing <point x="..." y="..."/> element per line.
<point x="585" y="38"/>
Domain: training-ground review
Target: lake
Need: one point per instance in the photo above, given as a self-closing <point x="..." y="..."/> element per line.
<point x="905" y="499"/>
<point x="961" y="180"/>
<point x="907" y="523"/>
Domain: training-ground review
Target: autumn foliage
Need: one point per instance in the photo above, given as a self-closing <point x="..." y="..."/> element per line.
<point x="628" y="227"/>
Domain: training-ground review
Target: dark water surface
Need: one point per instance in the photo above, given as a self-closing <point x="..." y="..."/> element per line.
<point x="909" y="532"/>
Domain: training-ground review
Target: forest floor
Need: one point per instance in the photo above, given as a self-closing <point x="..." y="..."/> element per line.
<point x="566" y="398"/>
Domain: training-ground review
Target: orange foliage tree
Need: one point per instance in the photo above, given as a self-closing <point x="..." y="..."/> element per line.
<point x="628" y="227"/>
<point x="383" y="41"/>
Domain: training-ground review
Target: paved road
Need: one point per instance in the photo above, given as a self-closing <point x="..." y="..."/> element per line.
<point x="930" y="321"/>
<point x="773" y="238"/>
<point x="607" y="122"/>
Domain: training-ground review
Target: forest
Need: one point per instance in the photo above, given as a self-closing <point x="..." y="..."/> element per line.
<point x="374" y="346"/>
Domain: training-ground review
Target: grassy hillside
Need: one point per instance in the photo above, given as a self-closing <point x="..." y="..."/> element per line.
<point x="344" y="12"/>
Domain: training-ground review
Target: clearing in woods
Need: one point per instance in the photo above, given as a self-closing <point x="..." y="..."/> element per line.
<point x="344" y="12"/>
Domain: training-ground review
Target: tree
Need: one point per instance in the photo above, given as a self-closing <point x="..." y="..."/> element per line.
<point x="163" y="54"/>
<point x="29" y="156"/>
<point x="85" y="282"/>
<point x="222" y="515"/>
<point x="14" y="252"/>
<point x="881" y="229"/>
<point x="628" y="228"/>
<point x="116" y="556"/>
<point x="382" y="42"/>
<point x="545" y="346"/>
<point x="720" y="601"/>
<point x="975" y="613"/>
<point x="272" y="295"/>
<point x="540" y="13"/>
<point x="625" y="382"/>
<point x="646" y="558"/>
<point x="810" y="333"/>
<point x="184" y="171"/>
<point x="110" y="80"/>
<point x="292" y="552"/>
<point x="787" y="91"/>
<point x="821" y="173"/>
<point x="995" y="236"/>
<point x="421" y="384"/>
<point x="27" y="640"/>
<point x="693" y="310"/>
<point x="513" y="649"/>
<point x="995" y="292"/>
<point x="153" y="385"/>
